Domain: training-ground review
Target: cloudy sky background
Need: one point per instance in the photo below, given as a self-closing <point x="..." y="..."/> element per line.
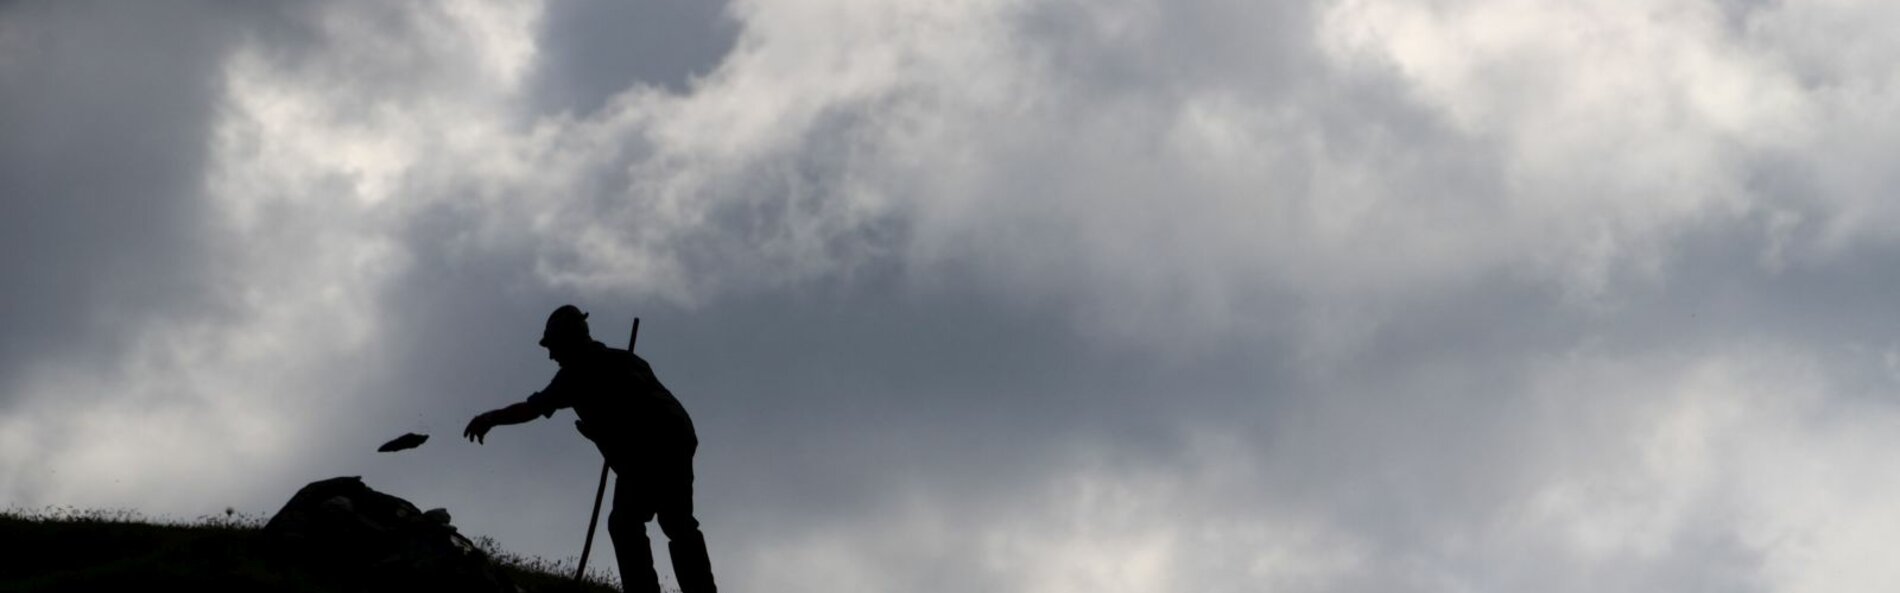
<point x="1001" y="295"/>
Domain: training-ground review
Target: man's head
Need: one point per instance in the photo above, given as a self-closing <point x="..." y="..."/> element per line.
<point x="566" y="331"/>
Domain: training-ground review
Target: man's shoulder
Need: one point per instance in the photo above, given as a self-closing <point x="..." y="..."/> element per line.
<point x="608" y="358"/>
<point x="610" y="353"/>
<point x="597" y="350"/>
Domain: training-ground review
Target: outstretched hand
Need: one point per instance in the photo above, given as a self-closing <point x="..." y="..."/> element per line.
<point x="477" y="430"/>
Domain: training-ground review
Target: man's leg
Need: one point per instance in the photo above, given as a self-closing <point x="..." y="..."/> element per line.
<point x="627" y="523"/>
<point x="674" y="504"/>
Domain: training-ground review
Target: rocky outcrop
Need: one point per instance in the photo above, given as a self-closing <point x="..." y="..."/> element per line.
<point x="373" y="541"/>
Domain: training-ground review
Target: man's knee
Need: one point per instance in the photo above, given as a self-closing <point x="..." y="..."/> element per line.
<point x="622" y="523"/>
<point x="679" y="526"/>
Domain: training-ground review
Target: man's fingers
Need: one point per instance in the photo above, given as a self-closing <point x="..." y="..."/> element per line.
<point x="474" y="430"/>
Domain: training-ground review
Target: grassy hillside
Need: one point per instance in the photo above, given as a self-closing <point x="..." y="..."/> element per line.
<point x="72" y="550"/>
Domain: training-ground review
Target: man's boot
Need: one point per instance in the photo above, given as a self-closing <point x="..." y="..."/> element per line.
<point x="635" y="555"/>
<point x="691" y="564"/>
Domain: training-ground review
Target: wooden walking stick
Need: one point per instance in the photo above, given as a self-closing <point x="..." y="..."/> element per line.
<point x="601" y="492"/>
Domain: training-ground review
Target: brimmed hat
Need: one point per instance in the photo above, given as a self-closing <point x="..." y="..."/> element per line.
<point x="566" y="325"/>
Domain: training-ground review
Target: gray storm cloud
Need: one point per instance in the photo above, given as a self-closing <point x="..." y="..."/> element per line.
<point x="1025" y="296"/>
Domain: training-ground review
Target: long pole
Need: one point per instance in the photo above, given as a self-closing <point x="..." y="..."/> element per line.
<point x="601" y="491"/>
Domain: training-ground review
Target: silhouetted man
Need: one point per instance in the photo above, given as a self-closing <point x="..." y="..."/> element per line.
<point x="641" y="429"/>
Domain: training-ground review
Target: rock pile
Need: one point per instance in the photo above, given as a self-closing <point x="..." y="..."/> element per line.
<point x="370" y="540"/>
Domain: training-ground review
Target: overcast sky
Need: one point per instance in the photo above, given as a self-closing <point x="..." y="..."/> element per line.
<point x="1039" y="296"/>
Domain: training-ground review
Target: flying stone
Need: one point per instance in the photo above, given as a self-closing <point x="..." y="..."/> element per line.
<point x="407" y="441"/>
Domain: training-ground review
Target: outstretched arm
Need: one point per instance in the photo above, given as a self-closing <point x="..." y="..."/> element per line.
<point x="513" y="414"/>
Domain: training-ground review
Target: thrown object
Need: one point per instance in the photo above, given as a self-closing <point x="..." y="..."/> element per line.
<point x="407" y="441"/>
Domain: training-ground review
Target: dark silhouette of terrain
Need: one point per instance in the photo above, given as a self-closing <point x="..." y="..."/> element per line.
<point x="335" y="535"/>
